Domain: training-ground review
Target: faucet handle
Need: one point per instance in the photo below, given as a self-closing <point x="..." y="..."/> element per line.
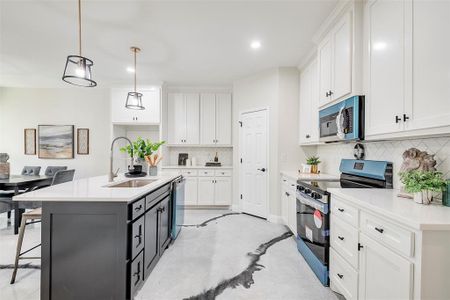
<point x="115" y="173"/>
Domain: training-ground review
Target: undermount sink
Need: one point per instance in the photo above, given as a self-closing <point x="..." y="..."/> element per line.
<point x="133" y="183"/>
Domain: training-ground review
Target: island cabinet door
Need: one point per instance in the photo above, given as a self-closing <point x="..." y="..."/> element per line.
<point x="151" y="239"/>
<point x="164" y="232"/>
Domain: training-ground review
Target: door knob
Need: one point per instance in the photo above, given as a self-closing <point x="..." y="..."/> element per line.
<point x="262" y="169"/>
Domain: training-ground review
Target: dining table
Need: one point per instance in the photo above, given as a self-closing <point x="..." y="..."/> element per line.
<point x="18" y="184"/>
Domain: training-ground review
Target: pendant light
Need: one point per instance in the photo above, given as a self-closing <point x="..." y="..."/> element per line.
<point x="134" y="99"/>
<point x="78" y="70"/>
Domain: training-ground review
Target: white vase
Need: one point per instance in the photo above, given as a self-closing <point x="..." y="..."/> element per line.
<point x="423" y="197"/>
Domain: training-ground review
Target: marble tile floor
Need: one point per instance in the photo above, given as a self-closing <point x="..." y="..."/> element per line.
<point x="235" y="256"/>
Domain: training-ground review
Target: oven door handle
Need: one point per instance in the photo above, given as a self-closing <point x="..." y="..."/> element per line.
<point x="323" y="207"/>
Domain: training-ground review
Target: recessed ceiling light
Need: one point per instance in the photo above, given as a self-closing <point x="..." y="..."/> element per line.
<point x="130" y="69"/>
<point x="255" y="44"/>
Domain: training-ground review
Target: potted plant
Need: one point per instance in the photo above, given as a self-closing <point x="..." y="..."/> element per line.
<point x="314" y="162"/>
<point x="423" y="184"/>
<point x="145" y="150"/>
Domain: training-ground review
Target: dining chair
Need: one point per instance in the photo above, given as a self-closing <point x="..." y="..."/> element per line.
<point x="51" y="170"/>
<point x="35" y="216"/>
<point x="31" y="171"/>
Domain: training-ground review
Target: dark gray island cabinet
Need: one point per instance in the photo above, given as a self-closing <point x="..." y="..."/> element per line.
<point x="103" y="249"/>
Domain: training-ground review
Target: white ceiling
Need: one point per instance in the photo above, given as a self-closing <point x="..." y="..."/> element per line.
<point x="183" y="42"/>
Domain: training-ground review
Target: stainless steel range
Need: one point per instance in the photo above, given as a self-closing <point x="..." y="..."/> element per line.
<point x="313" y="208"/>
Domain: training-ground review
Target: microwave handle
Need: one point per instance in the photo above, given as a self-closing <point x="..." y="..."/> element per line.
<point x="340" y="123"/>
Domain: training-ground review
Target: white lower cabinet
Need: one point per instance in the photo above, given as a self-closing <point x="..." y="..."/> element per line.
<point x="206" y="186"/>
<point x="383" y="274"/>
<point x="289" y="203"/>
<point x="191" y="191"/>
<point x="370" y="257"/>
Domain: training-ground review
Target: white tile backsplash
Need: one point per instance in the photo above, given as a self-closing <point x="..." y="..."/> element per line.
<point x="392" y="151"/>
<point x="202" y="155"/>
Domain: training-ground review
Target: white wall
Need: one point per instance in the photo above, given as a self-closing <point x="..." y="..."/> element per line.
<point x="276" y="89"/>
<point x="22" y="108"/>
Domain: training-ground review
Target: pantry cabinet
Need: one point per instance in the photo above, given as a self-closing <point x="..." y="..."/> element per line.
<point x="183" y="119"/>
<point x="406" y="75"/>
<point x="215" y="119"/>
<point x="335" y="55"/>
<point x="308" y="106"/>
<point x="151" y="100"/>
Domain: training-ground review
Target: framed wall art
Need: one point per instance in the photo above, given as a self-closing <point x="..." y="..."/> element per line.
<point x="83" y="141"/>
<point x="56" y="141"/>
<point x="29" y="141"/>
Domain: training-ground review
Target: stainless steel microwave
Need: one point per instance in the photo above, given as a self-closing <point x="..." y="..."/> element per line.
<point x="343" y="121"/>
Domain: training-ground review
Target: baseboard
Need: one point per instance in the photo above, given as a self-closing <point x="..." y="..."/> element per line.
<point x="275" y="219"/>
<point x="236" y="208"/>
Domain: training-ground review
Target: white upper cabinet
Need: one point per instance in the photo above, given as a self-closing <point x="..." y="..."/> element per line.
<point x="151" y="100"/>
<point x="183" y="119"/>
<point x="386" y="69"/>
<point x="407" y="74"/>
<point x="430" y="105"/>
<point x="215" y="119"/>
<point x="308" y="108"/>
<point x="335" y="55"/>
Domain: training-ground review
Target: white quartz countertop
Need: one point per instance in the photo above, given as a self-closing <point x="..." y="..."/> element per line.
<point x="385" y="202"/>
<point x="195" y="167"/>
<point x="95" y="189"/>
<point x="309" y="176"/>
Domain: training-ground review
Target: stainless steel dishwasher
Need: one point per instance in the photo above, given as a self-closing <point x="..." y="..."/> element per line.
<point x="177" y="206"/>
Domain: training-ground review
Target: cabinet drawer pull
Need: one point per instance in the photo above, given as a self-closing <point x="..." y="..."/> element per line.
<point x="308" y="136"/>
<point x="341" y="209"/>
<point x="340" y="275"/>
<point x="138" y="274"/>
<point x="341" y="238"/>
<point x="380" y="230"/>
<point x="138" y="208"/>
<point x="139" y="236"/>
<point x="287" y="194"/>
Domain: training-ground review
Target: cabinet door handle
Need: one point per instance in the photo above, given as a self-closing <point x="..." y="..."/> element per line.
<point x="287" y="194"/>
<point x="138" y="208"/>
<point x="326" y="94"/>
<point x="308" y="136"/>
<point x="380" y="230"/>
<point x="341" y="209"/>
<point x="397" y="119"/>
<point x="340" y="275"/>
<point x="137" y="273"/>
<point x="405" y="118"/>
<point x="341" y="238"/>
<point x="331" y="93"/>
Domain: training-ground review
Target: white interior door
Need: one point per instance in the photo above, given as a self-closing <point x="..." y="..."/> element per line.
<point x="254" y="173"/>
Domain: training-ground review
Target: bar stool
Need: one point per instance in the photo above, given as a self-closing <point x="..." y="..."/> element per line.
<point x="35" y="216"/>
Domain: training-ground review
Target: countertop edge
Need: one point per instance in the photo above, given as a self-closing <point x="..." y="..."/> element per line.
<point x="195" y="167"/>
<point x="388" y="214"/>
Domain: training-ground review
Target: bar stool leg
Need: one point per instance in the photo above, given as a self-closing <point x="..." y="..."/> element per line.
<point x="19" y="248"/>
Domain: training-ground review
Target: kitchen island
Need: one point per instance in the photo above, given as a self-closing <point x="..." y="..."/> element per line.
<point x="101" y="240"/>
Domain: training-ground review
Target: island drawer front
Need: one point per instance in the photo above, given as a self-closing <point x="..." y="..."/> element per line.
<point x="136" y="277"/>
<point x="137" y="237"/>
<point x="388" y="233"/>
<point x="137" y="208"/>
<point x="343" y="276"/>
<point x="189" y="173"/>
<point x="344" y="239"/>
<point x="157" y="195"/>
<point x="223" y="173"/>
<point x="345" y="212"/>
<point x="206" y="173"/>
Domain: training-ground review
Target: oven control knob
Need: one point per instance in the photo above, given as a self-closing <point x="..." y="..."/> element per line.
<point x="307" y="191"/>
<point x="317" y="196"/>
<point x="301" y="188"/>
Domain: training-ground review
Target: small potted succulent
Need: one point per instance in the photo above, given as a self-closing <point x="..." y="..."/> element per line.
<point x="423" y="184"/>
<point x="314" y="162"/>
<point x="145" y="151"/>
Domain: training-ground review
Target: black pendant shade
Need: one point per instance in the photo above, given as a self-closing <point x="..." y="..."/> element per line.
<point x="134" y="101"/>
<point x="78" y="71"/>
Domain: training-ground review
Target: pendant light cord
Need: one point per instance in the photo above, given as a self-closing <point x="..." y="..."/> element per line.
<point x="135" y="71"/>
<point x="79" y="27"/>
